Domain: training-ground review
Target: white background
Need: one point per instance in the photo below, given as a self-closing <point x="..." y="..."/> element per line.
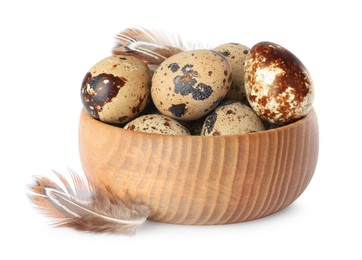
<point x="46" y="49"/>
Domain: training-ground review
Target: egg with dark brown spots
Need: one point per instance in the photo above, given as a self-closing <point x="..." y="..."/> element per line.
<point x="232" y="118"/>
<point x="236" y="54"/>
<point x="157" y="124"/>
<point x="116" y="89"/>
<point x="188" y="85"/>
<point x="278" y="86"/>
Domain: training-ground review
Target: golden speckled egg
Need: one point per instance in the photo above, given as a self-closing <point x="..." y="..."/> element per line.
<point x="116" y="89"/>
<point x="278" y="86"/>
<point x="236" y="54"/>
<point x="157" y="124"/>
<point x="232" y="118"/>
<point x="190" y="84"/>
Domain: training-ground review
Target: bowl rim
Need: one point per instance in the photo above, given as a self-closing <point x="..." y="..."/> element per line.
<point x="296" y="123"/>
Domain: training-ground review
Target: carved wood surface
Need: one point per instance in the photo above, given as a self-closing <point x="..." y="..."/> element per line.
<point x="203" y="179"/>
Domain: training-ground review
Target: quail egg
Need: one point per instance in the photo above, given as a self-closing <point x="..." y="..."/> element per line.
<point x="116" y="89"/>
<point x="278" y="86"/>
<point x="235" y="53"/>
<point x="157" y="124"/>
<point x="190" y="84"/>
<point x="232" y="118"/>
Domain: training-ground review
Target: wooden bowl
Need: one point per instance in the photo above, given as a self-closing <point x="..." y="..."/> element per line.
<point x="202" y="179"/>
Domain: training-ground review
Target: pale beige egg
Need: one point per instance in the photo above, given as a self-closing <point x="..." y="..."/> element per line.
<point x="236" y="54"/>
<point x="190" y="84"/>
<point x="157" y="124"/>
<point x="232" y="118"/>
<point x="116" y="89"/>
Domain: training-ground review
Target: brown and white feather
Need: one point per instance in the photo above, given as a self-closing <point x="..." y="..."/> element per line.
<point x="151" y="46"/>
<point x="84" y="206"/>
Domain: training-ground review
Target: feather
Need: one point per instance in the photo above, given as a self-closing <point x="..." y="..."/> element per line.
<point x="85" y="206"/>
<point x="151" y="46"/>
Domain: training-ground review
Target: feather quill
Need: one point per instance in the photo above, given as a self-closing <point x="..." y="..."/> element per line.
<point x="151" y="46"/>
<point x="85" y="206"/>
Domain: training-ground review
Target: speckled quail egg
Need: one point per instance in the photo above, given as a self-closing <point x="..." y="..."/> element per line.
<point x="190" y="84"/>
<point x="278" y="85"/>
<point x="232" y="118"/>
<point x="235" y="53"/>
<point x="116" y="89"/>
<point x="157" y="124"/>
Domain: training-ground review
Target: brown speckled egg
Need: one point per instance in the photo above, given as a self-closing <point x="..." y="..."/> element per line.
<point x="278" y="86"/>
<point x="190" y="84"/>
<point x="157" y="124"/>
<point x="236" y="54"/>
<point x="232" y="118"/>
<point x="116" y="89"/>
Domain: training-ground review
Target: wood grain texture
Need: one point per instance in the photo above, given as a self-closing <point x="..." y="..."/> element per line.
<point x="202" y="179"/>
